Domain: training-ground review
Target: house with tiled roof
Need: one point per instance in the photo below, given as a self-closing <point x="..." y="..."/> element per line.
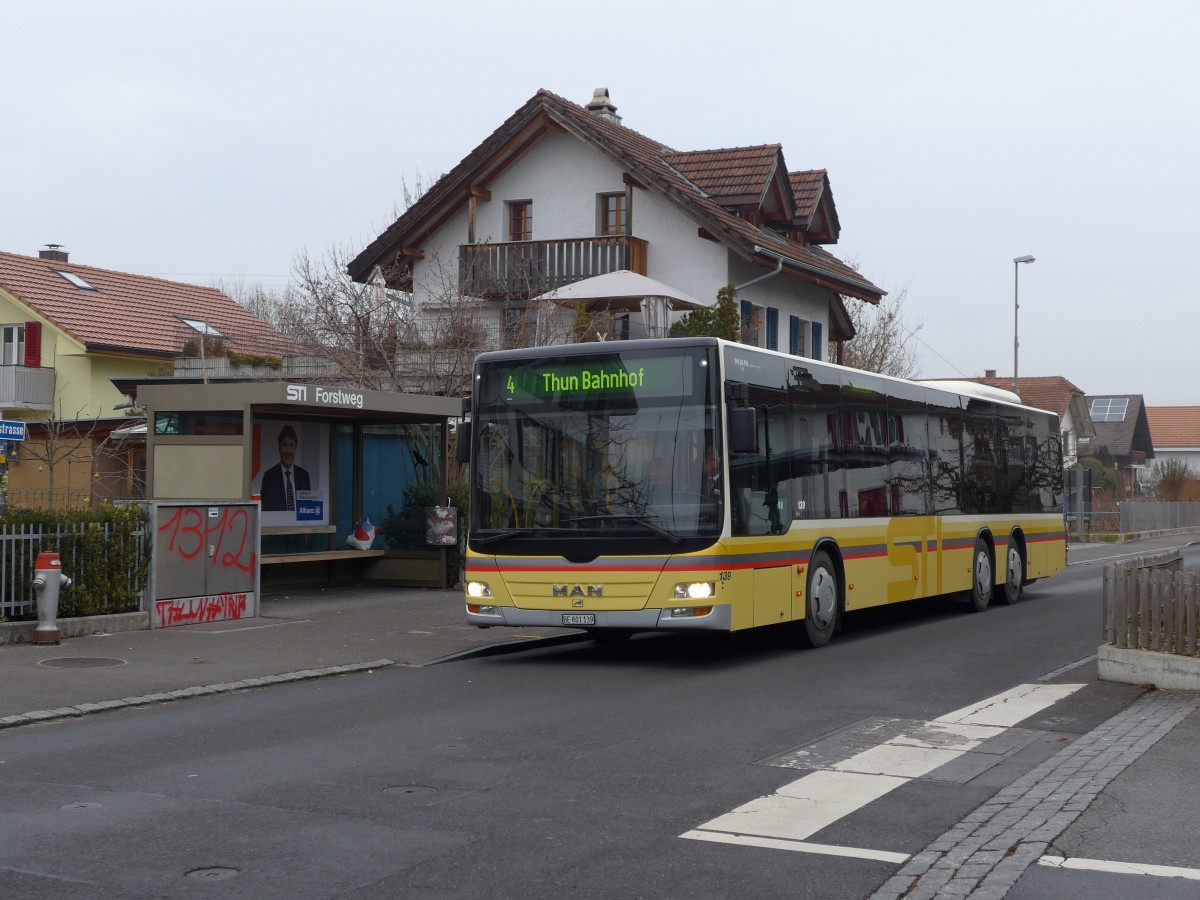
<point x="562" y="192"/>
<point x="1055" y="394"/>
<point x="1175" y="434"/>
<point x="1122" y="429"/>
<point x="67" y="330"/>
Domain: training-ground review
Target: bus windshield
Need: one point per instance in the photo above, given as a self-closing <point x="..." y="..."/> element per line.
<point x="608" y="446"/>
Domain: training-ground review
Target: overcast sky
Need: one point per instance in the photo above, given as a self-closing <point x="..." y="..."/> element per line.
<point x="213" y="141"/>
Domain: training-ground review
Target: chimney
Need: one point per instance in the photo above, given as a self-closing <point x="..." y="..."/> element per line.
<point x="989" y="373"/>
<point x="54" y="252"/>
<point x="602" y="106"/>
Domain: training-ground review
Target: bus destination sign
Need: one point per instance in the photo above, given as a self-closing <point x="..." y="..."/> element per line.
<point x="598" y="378"/>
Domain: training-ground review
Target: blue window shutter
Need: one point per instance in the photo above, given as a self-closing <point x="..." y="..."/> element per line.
<point x="747" y="316"/>
<point x="772" y="328"/>
<point x="794" y="336"/>
<point x="817" y="337"/>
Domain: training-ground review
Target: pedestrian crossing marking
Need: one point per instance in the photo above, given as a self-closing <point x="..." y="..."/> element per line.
<point x="803" y="807"/>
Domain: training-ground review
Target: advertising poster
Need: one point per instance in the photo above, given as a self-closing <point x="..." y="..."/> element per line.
<point x="291" y="472"/>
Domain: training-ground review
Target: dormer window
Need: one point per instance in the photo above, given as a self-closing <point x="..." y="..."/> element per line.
<point x="75" y="280"/>
<point x="520" y="220"/>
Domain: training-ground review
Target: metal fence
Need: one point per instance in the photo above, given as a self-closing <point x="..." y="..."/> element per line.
<point x="1158" y="515"/>
<point x="1152" y="603"/>
<point x="20" y="545"/>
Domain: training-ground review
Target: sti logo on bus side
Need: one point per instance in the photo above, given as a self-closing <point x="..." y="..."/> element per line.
<point x="297" y="392"/>
<point x="576" y="590"/>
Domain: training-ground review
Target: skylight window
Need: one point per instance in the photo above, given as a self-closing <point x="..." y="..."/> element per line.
<point x="1109" y="409"/>
<point x="75" y="280"/>
<point x="203" y="327"/>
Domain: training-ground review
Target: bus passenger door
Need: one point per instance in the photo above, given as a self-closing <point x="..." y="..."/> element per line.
<point x="772" y="595"/>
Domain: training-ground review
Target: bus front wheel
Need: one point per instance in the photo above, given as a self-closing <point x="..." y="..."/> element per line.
<point x="821" y="601"/>
<point x="982" y="581"/>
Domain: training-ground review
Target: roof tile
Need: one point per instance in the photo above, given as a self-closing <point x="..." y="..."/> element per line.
<point x="722" y="170"/>
<point x="1174" y="426"/>
<point x="133" y="313"/>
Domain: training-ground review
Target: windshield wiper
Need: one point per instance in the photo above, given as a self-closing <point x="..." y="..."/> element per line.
<point x="628" y="517"/>
<point x="492" y="538"/>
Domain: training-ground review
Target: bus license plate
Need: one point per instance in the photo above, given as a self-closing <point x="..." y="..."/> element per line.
<point x="579" y="619"/>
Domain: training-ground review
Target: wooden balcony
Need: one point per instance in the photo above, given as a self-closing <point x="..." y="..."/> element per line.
<point x="22" y="387"/>
<point x="527" y="268"/>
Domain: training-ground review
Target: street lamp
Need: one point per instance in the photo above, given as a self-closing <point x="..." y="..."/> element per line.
<point x="1016" y="310"/>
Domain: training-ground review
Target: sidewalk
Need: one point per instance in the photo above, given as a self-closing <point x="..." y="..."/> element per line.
<point x="1079" y="553"/>
<point x="303" y="633"/>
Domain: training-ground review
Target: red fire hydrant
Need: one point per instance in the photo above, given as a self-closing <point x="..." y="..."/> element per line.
<point x="47" y="582"/>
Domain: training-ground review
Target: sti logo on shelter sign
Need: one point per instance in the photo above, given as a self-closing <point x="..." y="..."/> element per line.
<point x="12" y="431"/>
<point x="299" y="393"/>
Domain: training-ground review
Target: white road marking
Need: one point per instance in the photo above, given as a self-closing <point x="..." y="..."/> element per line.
<point x="256" y="627"/>
<point x="803" y="807"/>
<point x="1120" y="868"/>
<point x="898" y="760"/>
<point x="1011" y="707"/>
<point x="797" y="846"/>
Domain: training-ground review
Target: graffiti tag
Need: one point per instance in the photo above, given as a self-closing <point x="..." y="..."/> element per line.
<point x="191" y="610"/>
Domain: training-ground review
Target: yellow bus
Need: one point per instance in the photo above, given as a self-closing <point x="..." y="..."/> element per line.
<point x="698" y="484"/>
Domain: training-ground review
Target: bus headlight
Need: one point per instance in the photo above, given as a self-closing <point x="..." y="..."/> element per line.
<point x="698" y="590"/>
<point x="690" y="612"/>
<point x="478" y="589"/>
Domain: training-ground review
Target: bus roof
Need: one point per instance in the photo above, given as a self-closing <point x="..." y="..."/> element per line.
<point x="949" y="386"/>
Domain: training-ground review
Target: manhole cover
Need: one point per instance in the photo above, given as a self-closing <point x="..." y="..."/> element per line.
<point x="82" y="662"/>
<point x="410" y="790"/>
<point x="211" y="873"/>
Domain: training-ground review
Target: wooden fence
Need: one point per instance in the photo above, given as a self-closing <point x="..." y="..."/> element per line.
<point x="1152" y="603"/>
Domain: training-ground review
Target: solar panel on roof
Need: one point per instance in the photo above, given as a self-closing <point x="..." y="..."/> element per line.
<point x="1109" y="409"/>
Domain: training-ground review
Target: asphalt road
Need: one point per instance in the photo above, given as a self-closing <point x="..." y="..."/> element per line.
<point x="568" y="771"/>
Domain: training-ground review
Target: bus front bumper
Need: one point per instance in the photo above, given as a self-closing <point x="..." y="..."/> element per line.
<point x="669" y="619"/>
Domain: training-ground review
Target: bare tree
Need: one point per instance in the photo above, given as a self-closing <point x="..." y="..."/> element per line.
<point x="55" y="465"/>
<point x="882" y="338"/>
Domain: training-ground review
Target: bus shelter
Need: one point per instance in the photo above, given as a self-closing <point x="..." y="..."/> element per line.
<point x="344" y="477"/>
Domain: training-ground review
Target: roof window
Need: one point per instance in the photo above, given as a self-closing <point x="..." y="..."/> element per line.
<point x="203" y="327"/>
<point x="76" y="280"/>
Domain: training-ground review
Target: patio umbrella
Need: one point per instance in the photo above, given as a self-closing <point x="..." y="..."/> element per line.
<point x="625" y="291"/>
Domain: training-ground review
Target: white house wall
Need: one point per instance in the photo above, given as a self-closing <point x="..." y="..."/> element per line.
<point x="562" y="177"/>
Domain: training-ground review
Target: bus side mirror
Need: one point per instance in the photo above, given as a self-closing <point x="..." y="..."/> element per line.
<point x="462" y="449"/>
<point x="743" y="430"/>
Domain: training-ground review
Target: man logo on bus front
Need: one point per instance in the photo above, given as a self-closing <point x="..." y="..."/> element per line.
<point x="576" y="590"/>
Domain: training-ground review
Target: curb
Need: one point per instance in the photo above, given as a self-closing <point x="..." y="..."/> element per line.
<point x="78" y="626"/>
<point x="1164" y="670"/>
<point x="67" y="712"/>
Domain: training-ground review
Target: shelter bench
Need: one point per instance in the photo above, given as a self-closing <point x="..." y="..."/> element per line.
<point x="319" y="556"/>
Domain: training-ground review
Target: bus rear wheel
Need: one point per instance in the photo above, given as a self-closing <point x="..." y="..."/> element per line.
<point x="1014" y="573"/>
<point x="982" y="582"/>
<point x="820" y="601"/>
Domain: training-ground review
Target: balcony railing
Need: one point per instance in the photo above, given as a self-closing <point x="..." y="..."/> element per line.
<point x="527" y="268"/>
<point x="23" y="387"/>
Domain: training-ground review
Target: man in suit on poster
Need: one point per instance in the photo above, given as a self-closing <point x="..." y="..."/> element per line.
<point x="283" y="481"/>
